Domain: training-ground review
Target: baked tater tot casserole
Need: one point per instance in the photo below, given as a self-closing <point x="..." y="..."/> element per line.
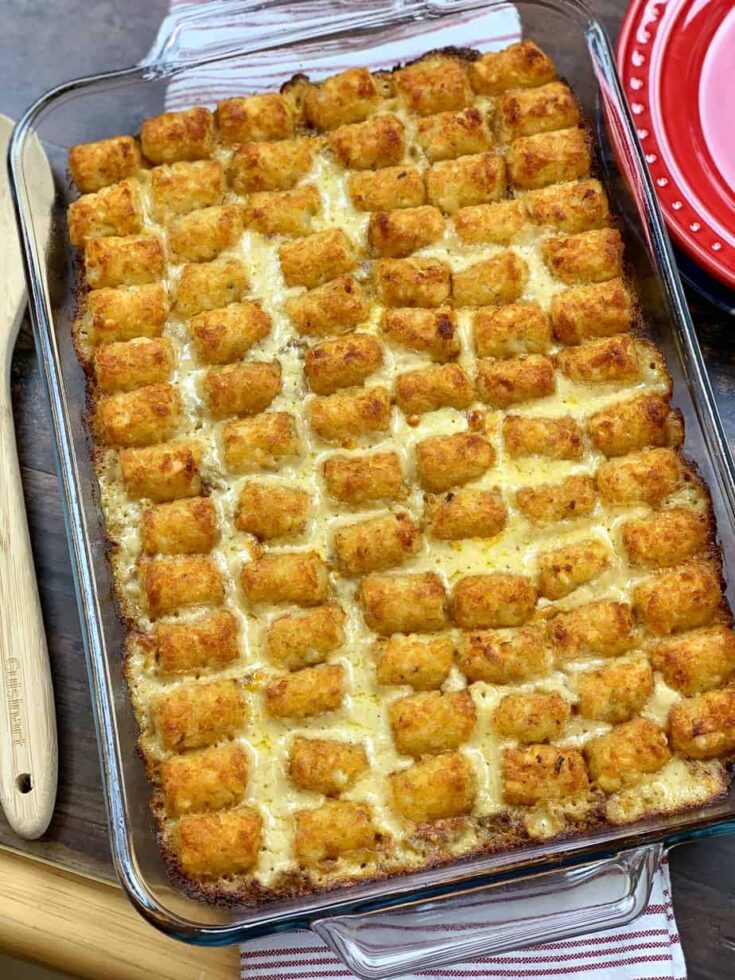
<point x="412" y="564"/>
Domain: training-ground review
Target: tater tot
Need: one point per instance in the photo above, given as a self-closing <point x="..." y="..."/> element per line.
<point x="164" y="472"/>
<point x="182" y="527"/>
<point x="436" y="83"/>
<point x="300" y="577"/>
<point x="475" y="179"/>
<point x="377" y="142"/>
<point x="215" y="844"/>
<point x="466" y="513"/>
<point x="210" y="779"/>
<point x="423" y="662"/>
<point x="497" y="599"/>
<point x="546" y="503"/>
<point x="511" y="331"/>
<point x="376" y="544"/>
<point x="387" y="189"/>
<point x="647" y="477"/>
<point x="124" y="314"/>
<point x="335" y="828"/>
<point x="580" y="205"/>
<point x="447" y="135"/>
<point x="591" y="256"/>
<point x="563" y="570"/>
<point x="536" y="717"/>
<point x="264" y="442"/>
<point x="527" y="111"/>
<point x="348" y="97"/>
<point x="399" y="233"/>
<point x="432" y="332"/>
<point x="542" y="773"/>
<point x="178" y="188"/>
<point x="269" y="511"/>
<point x="609" y="359"/>
<point x="680" y="598"/>
<point x="498" y="223"/>
<point x="666" y="538"/>
<point x="504" y="656"/>
<point x="96" y="165"/>
<point x="170" y="584"/>
<point x="114" y="210"/>
<point x="626" y="426"/>
<point x="222" y="336"/>
<point x="555" y="438"/>
<point x="200" y="236"/>
<point x="241" y="389"/>
<point x="432" y="722"/>
<point x="515" y="380"/>
<point x="344" y="416"/>
<point x="402" y="603"/>
<point x="597" y="629"/>
<point x="519" y="65"/>
<point x="308" y="692"/>
<point x="303" y="639"/>
<point x="268" y="166"/>
<point x="210" y="285"/>
<point x="130" y="261"/>
<point x="437" y="788"/>
<point x="626" y="754"/>
<point x="195" y="715"/>
<point x="283" y="212"/>
<point x="596" y="310"/>
<point x="363" y="479"/>
<point x="548" y="158"/>
<point x="342" y="363"/>
<point x="443" y="462"/>
<point x="500" y="279"/>
<point x="614" y="693"/>
<point x="430" y="388"/>
<point x="424" y="283"/>
<point x="208" y="641"/>
<point x="314" y="260"/>
<point x="255" y="118"/>
<point x="124" y="366"/>
<point x="321" y="765"/>
<point x="187" y="135"/>
<point x="695" y="662"/>
<point x="140" y="418"/>
<point x="335" y="308"/>
<point x="704" y="727"/>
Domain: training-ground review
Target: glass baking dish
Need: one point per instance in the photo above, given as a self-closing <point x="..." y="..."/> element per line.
<point x="545" y="891"/>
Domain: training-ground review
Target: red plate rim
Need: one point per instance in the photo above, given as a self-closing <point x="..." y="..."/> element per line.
<point x="683" y="182"/>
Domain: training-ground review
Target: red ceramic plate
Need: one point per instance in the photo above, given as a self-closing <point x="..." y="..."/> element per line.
<point x="677" y="62"/>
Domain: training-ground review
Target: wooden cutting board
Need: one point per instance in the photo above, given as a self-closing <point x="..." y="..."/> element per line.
<point x="88" y="929"/>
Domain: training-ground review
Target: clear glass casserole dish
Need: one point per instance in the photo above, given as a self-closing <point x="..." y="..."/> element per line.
<point x="601" y="879"/>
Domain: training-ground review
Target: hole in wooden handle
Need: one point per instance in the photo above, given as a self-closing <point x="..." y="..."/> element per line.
<point x="23" y="782"/>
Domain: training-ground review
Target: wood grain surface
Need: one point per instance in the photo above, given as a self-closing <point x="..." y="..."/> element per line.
<point x="41" y="45"/>
<point x="110" y="940"/>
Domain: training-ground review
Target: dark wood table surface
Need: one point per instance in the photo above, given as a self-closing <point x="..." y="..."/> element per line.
<point x="42" y="44"/>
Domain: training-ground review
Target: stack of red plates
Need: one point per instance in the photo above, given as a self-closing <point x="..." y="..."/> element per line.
<point x="677" y="63"/>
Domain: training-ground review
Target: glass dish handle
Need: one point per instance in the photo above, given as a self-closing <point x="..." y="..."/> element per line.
<point x="487" y="920"/>
<point x="208" y="31"/>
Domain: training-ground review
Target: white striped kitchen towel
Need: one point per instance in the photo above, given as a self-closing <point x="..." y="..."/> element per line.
<point x="648" y="948"/>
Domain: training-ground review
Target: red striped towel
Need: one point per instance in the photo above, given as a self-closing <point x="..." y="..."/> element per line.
<point x="648" y="948"/>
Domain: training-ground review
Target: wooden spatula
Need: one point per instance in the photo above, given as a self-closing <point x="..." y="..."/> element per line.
<point x="28" y="751"/>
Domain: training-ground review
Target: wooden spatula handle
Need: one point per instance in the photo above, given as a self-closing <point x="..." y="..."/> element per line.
<point x="28" y="753"/>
